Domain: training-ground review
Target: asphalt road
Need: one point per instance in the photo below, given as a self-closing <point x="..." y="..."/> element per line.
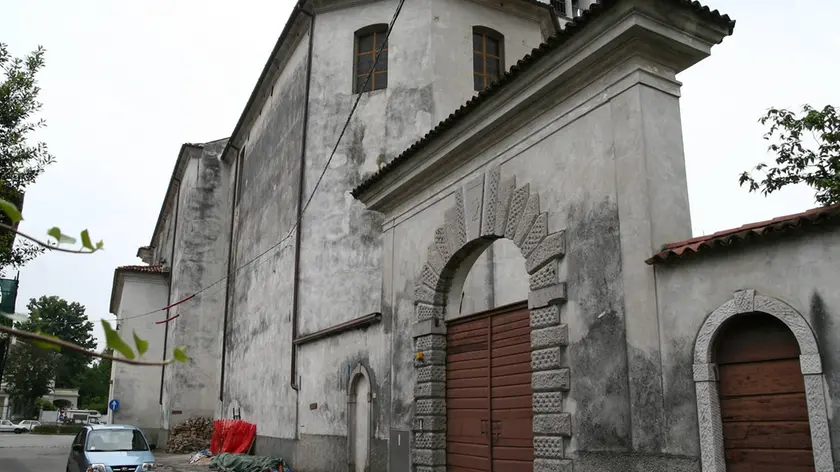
<point x="33" y="452"/>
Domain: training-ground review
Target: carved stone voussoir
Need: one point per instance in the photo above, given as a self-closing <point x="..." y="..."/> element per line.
<point x="517" y="206"/>
<point x="532" y="209"/>
<point x="552" y="247"/>
<point x="548" y="275"/>
<point x="506" y="190"/>
<point x="491" y="201"/>
<point x="552" y="295"/>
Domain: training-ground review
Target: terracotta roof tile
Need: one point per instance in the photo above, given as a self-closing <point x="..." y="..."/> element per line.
<point x="142" y="268"/>
<point x="748" y="233"/>
<point x="572" y="28"/>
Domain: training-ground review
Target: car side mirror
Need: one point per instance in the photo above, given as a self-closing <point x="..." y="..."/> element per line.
<point x="152" y="446"/>
<point x="77" y="447"/>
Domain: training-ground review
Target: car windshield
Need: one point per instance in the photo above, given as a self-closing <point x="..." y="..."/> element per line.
<point x="110" y="440"/>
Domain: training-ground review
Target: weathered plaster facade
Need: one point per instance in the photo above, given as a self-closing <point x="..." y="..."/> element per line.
<point x="327" y="330"/>
<point x="793" y="279"/>
<point x="138" y="290"/>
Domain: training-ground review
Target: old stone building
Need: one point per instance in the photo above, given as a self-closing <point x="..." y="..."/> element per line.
<point x="493" y="271"/>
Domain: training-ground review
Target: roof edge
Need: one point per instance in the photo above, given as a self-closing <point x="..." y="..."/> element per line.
<point x="797" y="223"/>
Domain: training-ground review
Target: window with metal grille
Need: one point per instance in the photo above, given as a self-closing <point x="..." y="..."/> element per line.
<point x="488" y="57"/>
<point x="368" y="41"/>
<point x="560" y="7"/>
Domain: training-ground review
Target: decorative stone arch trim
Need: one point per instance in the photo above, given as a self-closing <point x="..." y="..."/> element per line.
<point x="706" y="378"/>
<point x="486" y="209"/>
<point x="359" y="371"/>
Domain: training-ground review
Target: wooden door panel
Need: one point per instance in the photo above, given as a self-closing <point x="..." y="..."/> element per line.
<point x="488" y="394"/>
<point x="762" y="397"/>
<point x="764" y="408"/>
<point x="761" y="378"/>
<point x="773" y="434"/>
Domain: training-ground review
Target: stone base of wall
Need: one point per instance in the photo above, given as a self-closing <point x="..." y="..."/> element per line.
<point x="621" y="462"/>
<point x="316" y="453"/>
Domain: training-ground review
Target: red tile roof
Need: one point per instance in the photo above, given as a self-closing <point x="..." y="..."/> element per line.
<point x="748" y="233"/>
<point x="141" y="268"/>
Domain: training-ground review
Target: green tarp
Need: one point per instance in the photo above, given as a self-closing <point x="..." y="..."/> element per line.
<point x="8" y="295"/>
<point x="226" y="462"/>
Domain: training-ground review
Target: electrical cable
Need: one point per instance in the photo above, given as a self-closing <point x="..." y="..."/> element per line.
<point x="311" y="195"/>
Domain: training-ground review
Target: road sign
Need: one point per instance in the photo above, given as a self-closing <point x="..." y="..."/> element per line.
<point x="114" y="405"/>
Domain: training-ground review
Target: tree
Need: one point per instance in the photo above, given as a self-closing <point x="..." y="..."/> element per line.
<point x="95" y="385"/>
<point x="29" y="371"/>
<point x="20" y="162"/>
<point x="67" y="321"/>
<point x="815" y="163"/>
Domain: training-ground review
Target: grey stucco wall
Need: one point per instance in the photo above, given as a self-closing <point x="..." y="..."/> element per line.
<point x="800" y="270"/>
<point x="200" y="260"/>
<point x="260" y="303"/>
<point x="138" y="387"/>
<point x="605" y="161"/>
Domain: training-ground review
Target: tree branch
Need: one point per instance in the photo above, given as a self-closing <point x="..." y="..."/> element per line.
<point x="43" y="244"/>
<point x="73" y="347"/>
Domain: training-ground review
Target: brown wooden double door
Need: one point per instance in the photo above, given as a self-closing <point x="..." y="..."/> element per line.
<point x="762" y="397"/>
<point x="488" y="393"/>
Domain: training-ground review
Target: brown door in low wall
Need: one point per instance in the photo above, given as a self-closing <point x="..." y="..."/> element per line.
<point x="762" y="395"/>
<point x="488" y="393"/>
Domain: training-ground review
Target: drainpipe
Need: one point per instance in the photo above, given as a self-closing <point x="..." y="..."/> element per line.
<point x="169" y="292"/>
<point x="236" y="182"/>
<point x="296" y="295"/>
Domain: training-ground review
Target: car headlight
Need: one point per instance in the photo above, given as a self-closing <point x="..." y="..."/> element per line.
<point x="96" y="468"/>
<point x="148" y="466"/>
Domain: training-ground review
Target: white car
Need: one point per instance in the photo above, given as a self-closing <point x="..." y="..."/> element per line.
<point x="7" y="426"/>
<point x="26" y="426"/>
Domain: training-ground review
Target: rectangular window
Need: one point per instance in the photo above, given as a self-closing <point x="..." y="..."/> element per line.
<point x="487" y="58"/>
<point x="367" y="45"/>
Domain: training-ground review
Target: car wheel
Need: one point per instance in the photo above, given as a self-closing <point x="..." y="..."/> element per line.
<point x="18" y="431"/>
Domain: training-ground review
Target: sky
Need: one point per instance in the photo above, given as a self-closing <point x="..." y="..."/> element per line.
<point x="126" y="83"/>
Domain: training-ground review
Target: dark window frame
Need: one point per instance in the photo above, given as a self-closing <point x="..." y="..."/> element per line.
<point x="379" y="79"/>
<point x="487" y="77"/>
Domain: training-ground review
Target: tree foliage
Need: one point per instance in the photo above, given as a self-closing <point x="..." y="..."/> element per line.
<point x="807" y="150"/>
<point x="94" y="385"/>
<point x="29" y="371"/>
<point x="65" y="320"/>
<point x="20" y="162"/>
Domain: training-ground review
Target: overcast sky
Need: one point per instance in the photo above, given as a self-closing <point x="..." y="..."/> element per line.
<point x="127" y="82"/>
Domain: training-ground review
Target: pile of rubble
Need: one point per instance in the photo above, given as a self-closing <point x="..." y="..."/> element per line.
<point x="190" y="435"/>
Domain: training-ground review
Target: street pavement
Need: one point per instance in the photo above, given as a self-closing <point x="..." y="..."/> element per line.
<point x="33" y="452"/>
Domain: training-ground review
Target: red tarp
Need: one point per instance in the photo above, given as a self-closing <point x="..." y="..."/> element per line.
<point x="233" y="436"/>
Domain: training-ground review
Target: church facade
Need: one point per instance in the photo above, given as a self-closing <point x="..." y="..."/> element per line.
<point x="492" y="270"/>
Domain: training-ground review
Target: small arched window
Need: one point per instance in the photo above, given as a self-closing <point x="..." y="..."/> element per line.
<point x="368" y="41"/>
<point x="488" y="56"/>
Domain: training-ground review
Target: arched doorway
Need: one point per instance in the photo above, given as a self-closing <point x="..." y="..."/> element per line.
<point x="358" y="408"/>
<point x="763" y="405"/>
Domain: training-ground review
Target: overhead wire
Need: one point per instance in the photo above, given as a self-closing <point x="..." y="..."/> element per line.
<point x="311" y="195"/>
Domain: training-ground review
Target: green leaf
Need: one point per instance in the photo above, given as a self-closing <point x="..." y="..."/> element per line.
<point x="10" y="210"/>
<point x="62" y="238"/>
<point x="18" y="317"/>
<point x="115" y="342"/>
<point x="142" y="344"/>
<point x="180" y="355"/>
<point x="99" y="245"/>
<point x="46" y="344"/>
<point x="86" y="240"/>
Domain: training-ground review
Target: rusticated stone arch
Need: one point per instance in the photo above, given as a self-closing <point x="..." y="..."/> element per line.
<point x="706" y="378"/>
<point x="487" y="209"/>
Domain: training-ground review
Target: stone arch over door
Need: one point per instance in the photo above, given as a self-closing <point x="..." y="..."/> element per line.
<point x="486" y="209"/>
<point x="359" y="420"/>
<point x="706" y="378"/>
